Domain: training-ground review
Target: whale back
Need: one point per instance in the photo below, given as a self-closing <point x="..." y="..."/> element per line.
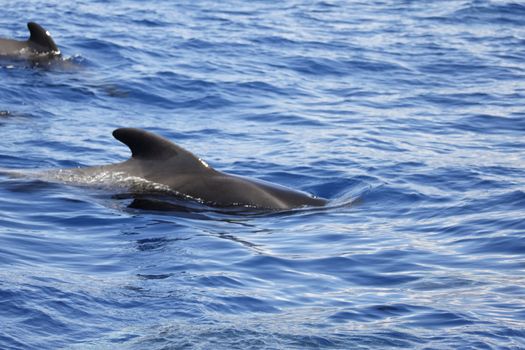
<point x="162" y="162"/>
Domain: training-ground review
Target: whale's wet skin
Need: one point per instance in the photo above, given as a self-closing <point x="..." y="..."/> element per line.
<point x="161" y="162"/>
<point x="406" y="116"/>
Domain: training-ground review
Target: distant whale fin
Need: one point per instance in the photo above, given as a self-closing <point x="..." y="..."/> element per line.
<point x="145" y="145"/>
<point x="41" y="37"/>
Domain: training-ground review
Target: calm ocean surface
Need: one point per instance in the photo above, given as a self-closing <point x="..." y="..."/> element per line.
<point x="408" y="115"/>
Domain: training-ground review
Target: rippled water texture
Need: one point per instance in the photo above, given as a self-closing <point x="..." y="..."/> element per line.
<point x="408" y="115"/>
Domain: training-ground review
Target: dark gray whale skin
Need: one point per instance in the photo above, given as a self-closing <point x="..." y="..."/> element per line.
<point x="39" y="44"/>
<point x="158" y="160"/>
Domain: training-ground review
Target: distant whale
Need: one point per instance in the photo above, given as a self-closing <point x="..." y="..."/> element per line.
<point x="160" y="161"/>
<point x="39" y="44"/>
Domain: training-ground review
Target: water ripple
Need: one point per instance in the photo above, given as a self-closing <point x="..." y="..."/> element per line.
<point x="406" y="115"/>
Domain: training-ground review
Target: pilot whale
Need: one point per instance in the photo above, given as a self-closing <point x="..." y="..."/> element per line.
<point x="40" y="43"/>
<point x="161" y="161"/>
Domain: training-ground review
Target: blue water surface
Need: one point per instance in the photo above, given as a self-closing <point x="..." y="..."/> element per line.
<point x="408" y="116"/>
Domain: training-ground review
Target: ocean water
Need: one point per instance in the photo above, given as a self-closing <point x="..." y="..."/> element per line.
<point x="408" y="116"/>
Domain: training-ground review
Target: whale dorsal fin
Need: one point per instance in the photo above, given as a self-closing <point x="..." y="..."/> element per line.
<point x="41" y="37"/>
<point x="145" y="145"/>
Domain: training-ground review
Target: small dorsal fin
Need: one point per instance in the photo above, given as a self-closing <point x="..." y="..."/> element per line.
<point x="42" y="38"/>
<point x="146" y="145"/>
